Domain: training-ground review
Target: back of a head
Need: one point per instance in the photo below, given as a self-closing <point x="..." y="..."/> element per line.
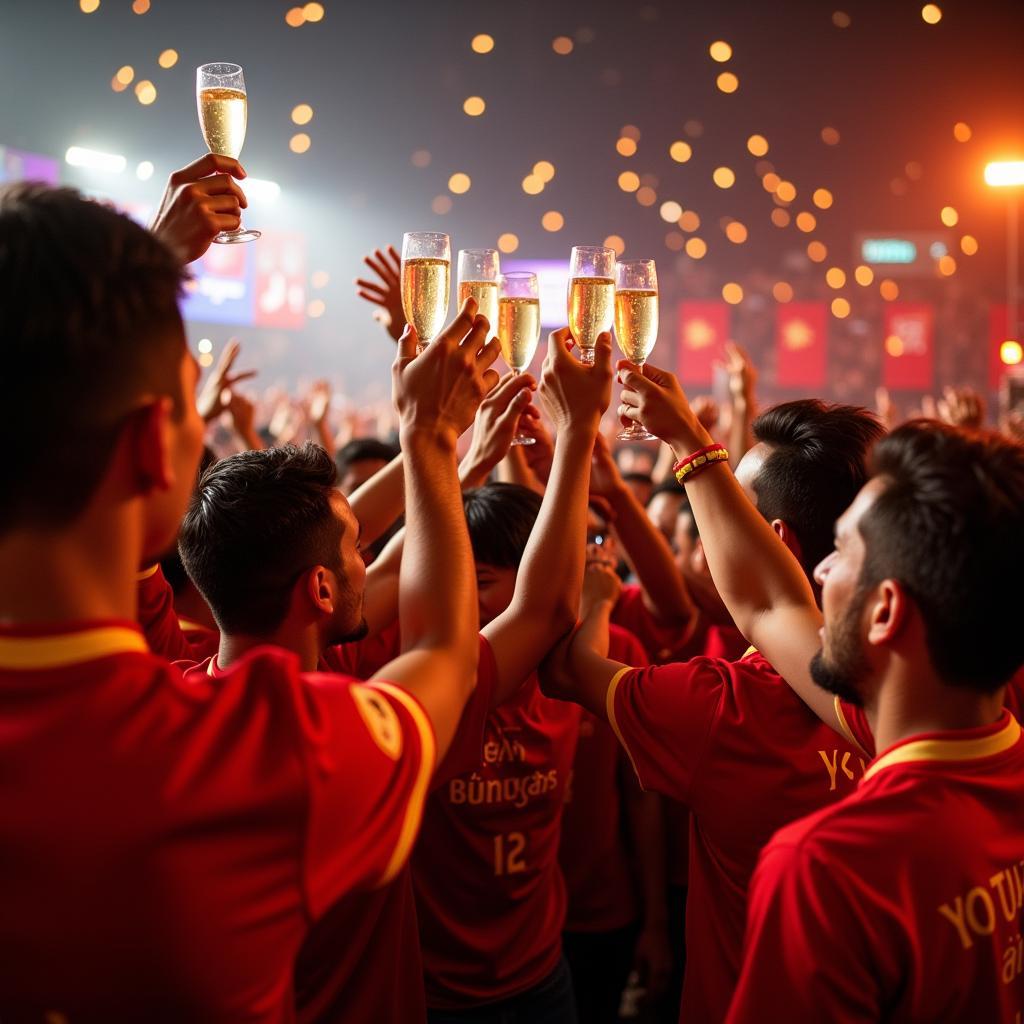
<point x="256" y="522"/>
<point x="89" y="301"/>
<point x="816" y="466"/>
<point x="949" y="526"/>
<point x="362" y="449"/>
<point x="500" y="518"/>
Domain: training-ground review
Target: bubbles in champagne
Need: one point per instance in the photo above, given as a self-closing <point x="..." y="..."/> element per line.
<point x="425" y="283"/>
<point x="636" y="322"/>
<point x="518" y="330"/>
<point x="486" y="295"/>
<point x="591" y="308"/>
<point x="222" y="116"/>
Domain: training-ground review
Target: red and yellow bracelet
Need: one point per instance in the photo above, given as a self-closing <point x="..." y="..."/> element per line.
<point x="686" y="469"/>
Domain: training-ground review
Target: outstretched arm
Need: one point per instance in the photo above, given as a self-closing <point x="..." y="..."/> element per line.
<point x="434" y="392"/>
<point x="549" y="580"/>
<point x="760" y="581"/>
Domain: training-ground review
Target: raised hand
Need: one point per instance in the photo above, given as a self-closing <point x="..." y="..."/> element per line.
<point x="242" y="413"/>
<point x="655" y="399"/>
<point x="885" y="407"/>
<point x="741" y="372"/>
<point x="215" y="393"/>
<point x="318" y="401"/>
<point x="200" y="201"/>
<point x="439" y="390"/>
<point x="961" y="407"/>
<point x="705" y="408"/>
<point x="496" y="422"/>
<point x="601" y="583"/>
<point x="386" y="292"/>
<point x="539" y="455"/>
<point x="605" y="478"/>
<point x="574" y="394"/>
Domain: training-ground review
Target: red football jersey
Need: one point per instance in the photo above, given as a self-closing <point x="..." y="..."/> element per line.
<point x="595" y="861"/>
<point x="734" y="743"/>
<point x="661" y="643"/>
<point x="903" y="902"/>
<point x="489" y="893"/>
<point x="361" y="961"/>
<point x="164" y="844"/>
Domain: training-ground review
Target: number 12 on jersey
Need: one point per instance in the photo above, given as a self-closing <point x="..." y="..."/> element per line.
<point x="508" y="854"/>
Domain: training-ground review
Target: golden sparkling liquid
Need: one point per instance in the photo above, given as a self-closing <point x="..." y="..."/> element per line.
<point x="486" y="295"/>
<point x="518" y="330"/>
<point x="591" y="308"/>
<point x="636" y="322"/>
<point x="425" y="284"/>
<point x="222" y="115"/>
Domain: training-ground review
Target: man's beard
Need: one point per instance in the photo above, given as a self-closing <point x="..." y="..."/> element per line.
<point x="356" y="634"/>
<point x="353" y="603"/>
<point x="846" y="668"/>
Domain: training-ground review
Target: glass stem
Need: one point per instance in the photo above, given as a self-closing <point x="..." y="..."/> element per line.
<point x="587" y="356"/>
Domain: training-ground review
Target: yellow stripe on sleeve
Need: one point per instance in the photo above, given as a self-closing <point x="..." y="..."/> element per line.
<point x="418" y="796"/>
<point x="609" y="704"/>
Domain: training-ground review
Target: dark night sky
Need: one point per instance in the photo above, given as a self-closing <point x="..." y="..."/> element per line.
<point x="388" y="78"/>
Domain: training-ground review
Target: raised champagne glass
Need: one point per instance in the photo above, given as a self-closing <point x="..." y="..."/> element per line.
<point x="479" y="271"/>
<point x="518" y="325"/>
<point x="636" y="322"/>
<point x="426" y="280"/>
<point x="591" y="296"/>
<point x="222" y="103"/>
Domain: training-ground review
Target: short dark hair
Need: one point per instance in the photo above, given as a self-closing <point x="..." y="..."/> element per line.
<point x="171" y="564"/>
<point x="500" y="518"/>
<point x="670" y="485"/>
<point x="949" y="526"/>
<point x="257" y="521"/>
<point x="817" y="464"/>
<point x="91" y="323"/>
<point x="361" y="449"/>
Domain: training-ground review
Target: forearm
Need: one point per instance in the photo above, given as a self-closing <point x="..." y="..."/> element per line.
<point x="550" y="577"/>
<point x="651" y="557"/>
<point x="739" y="429"/>
<point x="514" y="469"/>
<point x="252" y="441"/>
<point x="323" y="431"/>
<point x="593" y="631"/>
<point x="437" y="600"/>
<point x="380" y="501"/>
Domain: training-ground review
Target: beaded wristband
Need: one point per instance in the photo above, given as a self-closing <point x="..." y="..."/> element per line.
<point x="688" y="468"/>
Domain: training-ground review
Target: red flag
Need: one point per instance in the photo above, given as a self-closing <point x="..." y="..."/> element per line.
<point x="801" y="333"/>
<point x="703" y="332"/>
<point x="280" y="280"/>
<point x="909" y="351"/>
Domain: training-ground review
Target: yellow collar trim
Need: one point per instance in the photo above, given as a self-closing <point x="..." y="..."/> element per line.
<point x="950" y="750"/>
<point x="18" y="652"/>
<point x="749" y="651"/>
<point x="188" y="624"/>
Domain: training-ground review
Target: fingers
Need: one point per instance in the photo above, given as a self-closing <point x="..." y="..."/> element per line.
<point x="225" y="221"/>
<point x="489" y="378"/>
<point x="559" y="343"/>
<point x="603" y="352"/>
<point x="488" y="354"/>
<point x="223" y="203"/>
<point x="235" y="378"/>
<point x="408" y="344"/>
<point x="396" y="260"/>
<point x="477" y="336"/>
<point x="216" y="185"/>
<point x="380" y="267"/>
<point x="460" y="326"/>
<point x="205" y="165"/>
<point x="508" y="387"/>
<point x="375" y="299"/>
<point x="369" y="286"/>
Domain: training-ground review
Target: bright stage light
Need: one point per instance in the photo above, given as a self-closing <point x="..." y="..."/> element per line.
<point x="144" y="171"/>
<point x="94" y="160"/>
<point x="261" y="189"/>
<point x="1002" y="173"/>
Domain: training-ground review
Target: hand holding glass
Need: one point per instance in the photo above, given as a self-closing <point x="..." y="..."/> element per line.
<point x="426" y="280"/>
<point x="478" y="279"/>
<point x="636" y="322"/>
<point x="519" y="325"/>
<point x="223" y="109"/>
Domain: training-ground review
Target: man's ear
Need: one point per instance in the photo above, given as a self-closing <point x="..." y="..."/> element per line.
<point x="319" y="586"/>
<point x="147" y="437"/>
<point x="786" y="534"/>
<point x="887" y="609"/>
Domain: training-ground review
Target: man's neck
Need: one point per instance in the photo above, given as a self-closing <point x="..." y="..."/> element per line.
<point x="304" y="643"/>
<point x="67" y="576"/>
<point x="911" y="700"/>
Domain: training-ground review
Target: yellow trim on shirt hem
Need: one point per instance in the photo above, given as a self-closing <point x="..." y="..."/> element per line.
<point x="17" y="652"/>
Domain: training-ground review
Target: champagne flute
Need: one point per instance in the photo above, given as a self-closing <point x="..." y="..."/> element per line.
<point x="636" y="322"/>
<point x="478" y="279"/>
<point x="222" y="103"/>
<point x="518" y="325"/>
<point x="591" y="296"/>
<point x="426" y="277"/>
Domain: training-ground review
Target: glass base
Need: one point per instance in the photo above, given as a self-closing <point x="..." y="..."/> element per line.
<point x="236" y="236"/>
<point x="637" y="432"/>
<point x="523" y="439"/>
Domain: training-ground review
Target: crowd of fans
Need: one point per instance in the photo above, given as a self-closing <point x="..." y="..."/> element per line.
<point x="394" y="721"/>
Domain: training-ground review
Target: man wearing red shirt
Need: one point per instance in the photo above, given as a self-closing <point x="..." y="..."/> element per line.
<point x="730" y="740"/>
<point x="165" y="845"/>
<point x="903" y="901"/>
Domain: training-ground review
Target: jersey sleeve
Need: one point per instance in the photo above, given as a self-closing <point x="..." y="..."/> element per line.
<point x="853" y="724"/>
<point x="158" y="618"/>
<point x="369" y="752"/>
<point x="804" y="947"/>
<point x="663" y="716"/>
<point x="466" y="750"/>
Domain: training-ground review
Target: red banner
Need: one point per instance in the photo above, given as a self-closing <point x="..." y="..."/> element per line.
<point x="909" y="347"/>
<point x="801" y="339"/>
<point x="280" y="291"/>
<point x="703" y="332"/>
